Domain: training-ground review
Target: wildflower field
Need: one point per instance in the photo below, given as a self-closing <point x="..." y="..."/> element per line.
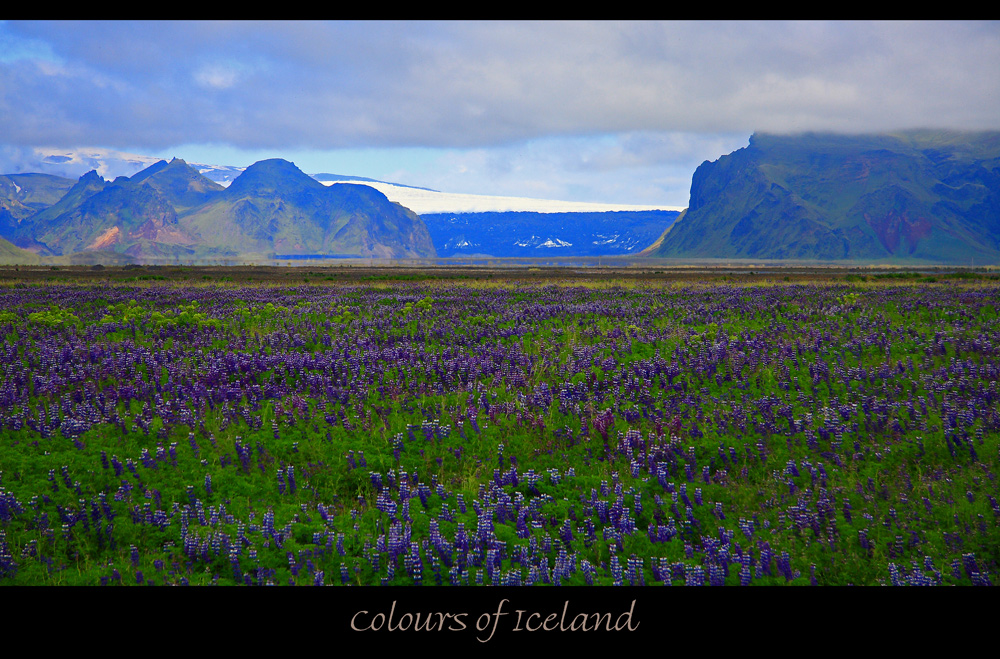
<point x="500" y="432"/>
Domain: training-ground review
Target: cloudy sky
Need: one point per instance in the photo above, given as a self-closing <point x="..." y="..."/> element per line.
<point x="582" y="111"/>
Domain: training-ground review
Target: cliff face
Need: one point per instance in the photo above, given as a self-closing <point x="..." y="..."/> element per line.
<point x="911" y="197"/>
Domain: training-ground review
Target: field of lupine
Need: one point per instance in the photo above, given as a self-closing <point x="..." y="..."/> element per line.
<point x="480" y="432"/>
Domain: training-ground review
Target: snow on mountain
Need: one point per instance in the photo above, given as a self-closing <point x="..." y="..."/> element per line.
<point x="460" y="243"/>
<point x="422" y="201"/>
<point x="223" y="175"/>
<point x="536" y="242"/>
<point x="555" y="243"/>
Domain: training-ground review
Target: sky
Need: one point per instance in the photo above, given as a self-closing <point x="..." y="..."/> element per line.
<point x="595" y="111"/>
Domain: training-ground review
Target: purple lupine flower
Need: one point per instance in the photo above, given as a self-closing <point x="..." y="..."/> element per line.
<point x="894" y="575"/>
<point x="8" y="568"/>
<point x="716" y="575"/>
<point x="969" y="563"/>
<point x="694" y="575"/>
<point x="746" y="574"/>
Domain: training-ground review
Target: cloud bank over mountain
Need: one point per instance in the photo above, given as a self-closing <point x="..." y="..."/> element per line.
<point x="483" y="84"/>
<point x="587" y="110"/>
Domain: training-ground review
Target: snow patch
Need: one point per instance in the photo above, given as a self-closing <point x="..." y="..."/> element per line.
<point x="606" y="241"/>
<point x="554" y="243"/>
<point x="459" y="243"/>
<point x="536" y="242"/>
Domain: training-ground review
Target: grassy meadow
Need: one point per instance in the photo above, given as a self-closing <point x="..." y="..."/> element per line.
<point x="383" y="428"/>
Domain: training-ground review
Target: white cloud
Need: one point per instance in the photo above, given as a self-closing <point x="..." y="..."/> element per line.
<point x="483" y="84"/>
<point x="216" y="76"/>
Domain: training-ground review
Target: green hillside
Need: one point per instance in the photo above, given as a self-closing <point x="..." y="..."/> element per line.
<point x="13" y="255"/>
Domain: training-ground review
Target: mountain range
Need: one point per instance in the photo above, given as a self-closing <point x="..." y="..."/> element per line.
<point x="171" y="211"/>
<point x="914" y="197"/>
<point x="911" y="197"/>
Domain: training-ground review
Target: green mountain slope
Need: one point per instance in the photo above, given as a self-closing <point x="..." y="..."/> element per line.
<point x="130" y="216"/>
<point x="24" y="195"/>
<point x="28" y="232"/>
<point x="275" y="208"/>
<point x="13" y="255"/>
<point x="919" y="196"/>
<point x="124" y="217"/>
<point x="135" y="217"/>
